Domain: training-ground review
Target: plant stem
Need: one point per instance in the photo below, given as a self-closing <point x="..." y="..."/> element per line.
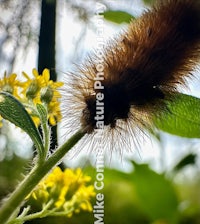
<point x="42" y="111"/>
<point x="34" y="177"/>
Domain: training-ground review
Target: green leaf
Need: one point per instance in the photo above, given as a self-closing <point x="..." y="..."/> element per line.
<point x="143" y="196"/>
<point x="149" y="2"/>
<point x="119" y="185"/>
<point x="183" y="118"/>
<point x="156" y="194"/>
<point x="12" y="110"/>
<point x="117" y="16"/>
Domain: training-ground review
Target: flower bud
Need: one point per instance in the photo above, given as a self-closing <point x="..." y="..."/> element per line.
<point x="46" y="94"/>
<point x="32" y="90"/>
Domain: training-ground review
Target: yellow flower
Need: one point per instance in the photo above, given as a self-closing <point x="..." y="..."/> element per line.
<point x="50" y="95"/>
<point x="54" y="113"/>
<point x="36" y="89"/>
<point x="41" y="90"/>
<point x="10" y="84"/>
<point x="79" y="198"/>
<point x="68" y="189"/>
<point x="32" y="86"/>
<point x="49" y="91"/>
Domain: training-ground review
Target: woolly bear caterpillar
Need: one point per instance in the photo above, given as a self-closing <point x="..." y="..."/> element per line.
<point x="142" y="68"/>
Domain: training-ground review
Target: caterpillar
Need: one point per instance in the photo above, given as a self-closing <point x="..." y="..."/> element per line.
<point x="141" y="70"/>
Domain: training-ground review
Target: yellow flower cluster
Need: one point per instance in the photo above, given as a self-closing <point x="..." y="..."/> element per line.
<point x="68" y="190"/>
<point x="38" y="89"/>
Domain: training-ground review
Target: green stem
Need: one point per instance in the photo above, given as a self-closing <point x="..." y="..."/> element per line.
<point x="42" y="111"/>
<point x="36" y="215"/>
<point x="37" y="173"/>
<point x="46" y="133"/>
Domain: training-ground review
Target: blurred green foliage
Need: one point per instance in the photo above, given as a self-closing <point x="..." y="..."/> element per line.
<point x="11" y="170"/>
<point x="142" y="196"/>
<point x="149" y="2"/>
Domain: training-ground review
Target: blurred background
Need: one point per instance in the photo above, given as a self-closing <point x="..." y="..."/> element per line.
<point x="158" y="183"/>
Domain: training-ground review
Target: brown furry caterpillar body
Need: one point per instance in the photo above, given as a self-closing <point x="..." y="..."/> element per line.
<point x="141" y="70"/>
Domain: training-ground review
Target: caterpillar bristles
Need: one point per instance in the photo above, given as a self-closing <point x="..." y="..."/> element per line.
<point x="142" y="68"/>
